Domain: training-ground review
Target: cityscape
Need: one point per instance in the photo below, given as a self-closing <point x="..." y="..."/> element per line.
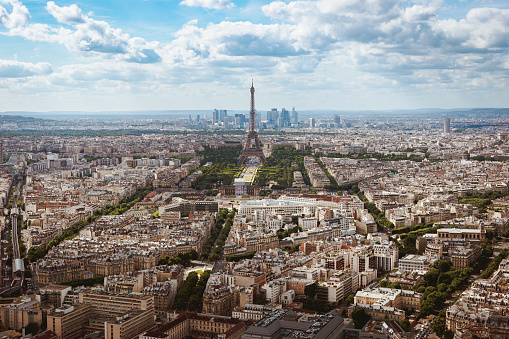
<point x="241" y="169"/>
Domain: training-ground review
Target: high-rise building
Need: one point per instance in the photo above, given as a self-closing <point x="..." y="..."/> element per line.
<point x="295" y="117"/>
<point x="222" y="114"/>
<point x="286" y="117"/>
<point x="337" y="120"/>
<point x="272" y="115"/>
<point x="312" y="122"/>
<point x="215" y="116"/>
<point x="447" y="125"/>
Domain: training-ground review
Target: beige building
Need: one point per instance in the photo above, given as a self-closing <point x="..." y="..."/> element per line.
<point x="59" y="271"/>
<point x="118" y="316"/>
<point x="68" y="321"/>
<point x="20" y="313"/>
<point x="220" y="299"/>
<point x="463" y="256"/>
<point x="199" y="326"/>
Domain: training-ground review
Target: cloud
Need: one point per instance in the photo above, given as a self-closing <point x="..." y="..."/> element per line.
<point x="17" y="69"/>
<point x="483" y="28"/>
<point x="234" y="39"/>
<point x="88" y="36"/>
<point x="19" y="15"/>
<point x="322" y="44"/>
<point x="210" y="4"/>
<point x="66" y="15"/>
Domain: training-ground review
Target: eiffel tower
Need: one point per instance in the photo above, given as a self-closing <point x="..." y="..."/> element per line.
<point x="252" y="147"/>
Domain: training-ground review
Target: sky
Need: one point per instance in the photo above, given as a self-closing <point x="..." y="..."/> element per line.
<point x="98" y="55"/>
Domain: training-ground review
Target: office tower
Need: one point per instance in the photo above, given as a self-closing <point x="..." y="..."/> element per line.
<point x="198" y="118"/>
<point x="189" y="118"/>
<point x="312" y="122"/>
<point x="252" y="147"/>
<point x="447" y="125"/>
<point x="222" y="114"/>
<point x="280" y="122"/>
<point x="337" y="120"/>
<point x="272" y="115"/>
<point x="295" y="117"/>
<point x="286" y="117"/>
<point x="215" y="116"/>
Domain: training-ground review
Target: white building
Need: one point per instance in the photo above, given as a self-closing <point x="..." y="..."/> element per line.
<point x="273" y="290"/>
<point x="413" y="262"/>
<point x="386" y="255"/>
<point x="262" y="208"/>
<point x="308" y="223"/>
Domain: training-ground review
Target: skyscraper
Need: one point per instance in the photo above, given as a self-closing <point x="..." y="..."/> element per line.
<point x="447" y="125"/>
<point x="286" y="117"/>
<point x="337" y="120"/>
<point x="295" y="117"/>
<point x="272" y="115"/>
<point x="215" y="116"/>
<point x="312" y="122"/>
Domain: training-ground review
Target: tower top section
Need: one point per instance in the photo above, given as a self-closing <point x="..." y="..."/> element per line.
<point x="252" y="111"/>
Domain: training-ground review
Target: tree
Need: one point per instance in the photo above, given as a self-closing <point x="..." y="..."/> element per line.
<point x="193" y="254"/>
<point x="349" y="300"/>
<point x="310" y="290"/>
<point x="442" y="265"/>
<point x="194" y="303"/>
<point x="360" y="318"/>
<point x="506" y="233"/>
<point x="405" y="324"/>
<point x="438" y="325"/>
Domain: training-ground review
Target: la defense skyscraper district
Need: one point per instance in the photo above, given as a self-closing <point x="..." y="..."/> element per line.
<point x="252" y="147"/>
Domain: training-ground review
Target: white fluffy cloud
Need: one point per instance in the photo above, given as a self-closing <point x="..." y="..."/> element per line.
<point x="328" y="43"/>
<point x="82" y="34"/>
<point x="19" y="15"/>
<point x="16" y="69"/>
<point x="210" y="4"/>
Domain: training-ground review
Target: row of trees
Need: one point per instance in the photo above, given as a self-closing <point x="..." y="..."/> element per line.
<point x="408" y="229"/>
<point x="218" y="251"/>
<point x="379" y="216"/>
<point x="189" y="297"/>
<point x="494" y="264"/>
<point x="239" y="257"/>
<point x="224" y="221"/>
<point x="333" y="183"/>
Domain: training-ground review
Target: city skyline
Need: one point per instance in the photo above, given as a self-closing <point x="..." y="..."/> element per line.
<point x="199" y="54"/>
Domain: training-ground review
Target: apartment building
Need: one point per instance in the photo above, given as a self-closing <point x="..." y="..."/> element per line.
<point x="68" y="322"/>
<point x="199" y="326"/>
